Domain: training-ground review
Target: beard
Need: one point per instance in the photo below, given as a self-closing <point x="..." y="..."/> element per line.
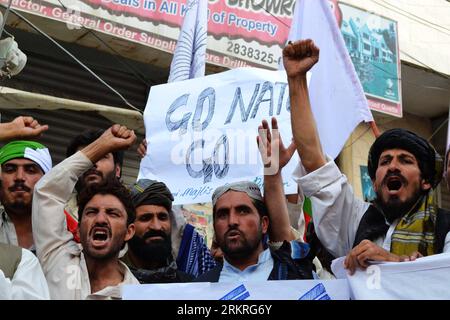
<point x="117" y="244"/>
<point x="156" y="252"/>
<point x="16" y="204"/>
<point x="82" y="184"/>
<point x="245" y="248"/>
<point x="112" y="253"/>
<point x="394" y="208"/>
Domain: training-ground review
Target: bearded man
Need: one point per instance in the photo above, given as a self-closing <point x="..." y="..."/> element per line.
<point x="402" y="223"/>
<point x="23" y="163"/>
<point x="241" y="222"/>
<point x="92" y="269"/>
<point x="164" y="249"/>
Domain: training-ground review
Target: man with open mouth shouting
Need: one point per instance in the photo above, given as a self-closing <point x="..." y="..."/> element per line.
<point x="402" y="223"/>
<point x="91" y="270"/>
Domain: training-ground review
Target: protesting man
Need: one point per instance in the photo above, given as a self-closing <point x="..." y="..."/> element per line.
<point x="106" y="214"/>
<point x="150" y="255"/>
<point x="240" y="224"/>
<point x="163" y="249"/>
<point x="23" y="163"/>
<point x="401" y="223"/>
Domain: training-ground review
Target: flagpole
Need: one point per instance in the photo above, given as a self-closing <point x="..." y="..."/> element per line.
<point x="374" y="127"/>
<point x="448" y="129"/>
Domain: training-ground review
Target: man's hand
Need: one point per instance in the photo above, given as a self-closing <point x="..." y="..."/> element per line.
<point x="113" y="139"/>
<point x="21" y="128"/>
<point x="367" y="250"/>
<point x="142" y="148"/>
<point x="299" y="57"/>
<point x="273" y="152"/>
<point x="118" y="137"/>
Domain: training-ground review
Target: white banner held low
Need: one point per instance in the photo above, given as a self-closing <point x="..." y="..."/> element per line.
<point x="264" y="290"/>
<point x="423" y="279"/>
<point x="201" y="133"/>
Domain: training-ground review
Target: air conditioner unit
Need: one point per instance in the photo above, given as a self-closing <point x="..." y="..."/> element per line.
<point x="12" y="60"/>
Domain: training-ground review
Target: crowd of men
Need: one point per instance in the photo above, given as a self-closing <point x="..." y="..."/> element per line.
<point x="74" y="231"/>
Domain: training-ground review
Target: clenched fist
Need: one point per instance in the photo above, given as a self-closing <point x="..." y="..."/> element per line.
<point x="115" y="138"/>
<point x="299" y="57"/>
<point x="21" y="128"/>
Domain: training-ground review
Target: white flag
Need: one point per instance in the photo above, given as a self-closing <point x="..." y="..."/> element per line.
<point x="337" y="97"/>
<point x="189" y="57"/>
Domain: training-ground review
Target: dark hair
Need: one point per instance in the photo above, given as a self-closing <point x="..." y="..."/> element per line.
<point x="111" y="186"/>
<point x="261" y="207"/>
<point x="86" y="138"/>
<point x="406" y="140"/>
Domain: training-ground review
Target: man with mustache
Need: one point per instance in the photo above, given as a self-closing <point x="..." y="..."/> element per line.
<point x="150" y="253"/>
<point x="108" y="167"/>
<point x="402" y="223"/>
<point x="91" y="270"/>
<point x="241" y="223"/>
<point x="182" y="255"/>
<point x="23" y="163"/>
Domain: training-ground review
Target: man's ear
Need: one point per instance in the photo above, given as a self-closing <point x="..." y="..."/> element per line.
<point x="426" y="185"/>
<point x="265" y="224"/>
<point x="130" y="232"/>
<point x="374" y="185"/>
<point x="118" y="171"/>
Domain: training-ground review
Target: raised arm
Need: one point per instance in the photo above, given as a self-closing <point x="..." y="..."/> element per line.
<point x="21" y="128"/>
<point x="54" y="190"/>
<point x="115" y="138"/>
<point x="298" y="58"/>
<point x="275" y="156"/>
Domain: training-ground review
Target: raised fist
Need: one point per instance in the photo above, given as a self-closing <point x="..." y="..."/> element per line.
<point x="118" y="137"/>
<point x="21" y="128"/>
<point x="299" y="57"/>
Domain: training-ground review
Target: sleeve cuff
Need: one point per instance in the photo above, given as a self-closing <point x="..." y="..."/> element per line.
<point x="317" y="180"/>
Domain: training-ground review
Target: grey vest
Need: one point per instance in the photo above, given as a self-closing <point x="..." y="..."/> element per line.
<point x="10" y="257"/>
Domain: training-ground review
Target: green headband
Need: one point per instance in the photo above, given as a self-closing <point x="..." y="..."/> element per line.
<point x="29" y="150"/>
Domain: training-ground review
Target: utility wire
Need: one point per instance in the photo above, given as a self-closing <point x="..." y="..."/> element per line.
<point x="437" y="129"/>
<point x="422" y="63"/>
<point x="75" y="58"/>
<point x="133" y="70"/>
<point x="359" y="137"/>
<point x="416" y="17"/>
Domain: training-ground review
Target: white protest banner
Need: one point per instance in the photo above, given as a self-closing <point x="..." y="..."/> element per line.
<point x="201" y="133"/>
<point x="263" y="290"/>
<point x="426" y="278"/>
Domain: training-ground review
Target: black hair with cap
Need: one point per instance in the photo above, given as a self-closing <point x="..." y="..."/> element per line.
<point x="409" y="141"/>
